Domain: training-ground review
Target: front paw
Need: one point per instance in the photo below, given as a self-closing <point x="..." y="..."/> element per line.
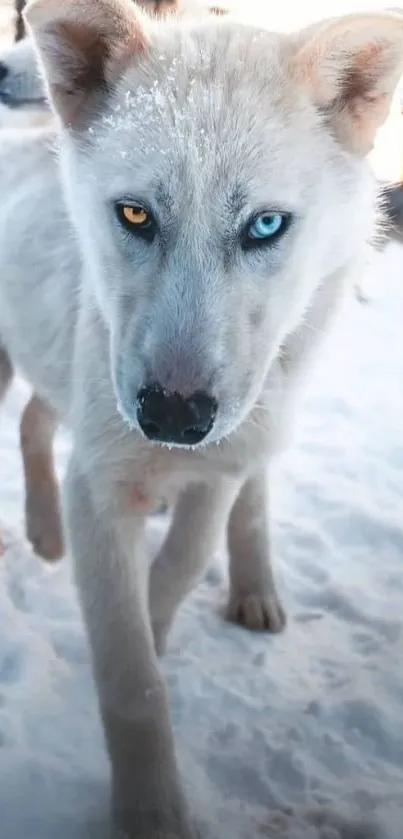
<point x="259" y="612"/>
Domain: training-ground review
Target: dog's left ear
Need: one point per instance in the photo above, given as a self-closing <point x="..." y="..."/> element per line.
<point x="83" y="48"/>
<point x="350" y="68"/>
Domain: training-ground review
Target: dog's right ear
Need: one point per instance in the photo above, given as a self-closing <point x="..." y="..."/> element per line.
<point x="83" y="48"/>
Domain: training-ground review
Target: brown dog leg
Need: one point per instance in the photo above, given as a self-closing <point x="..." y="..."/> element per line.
<point x="42" y="503"/>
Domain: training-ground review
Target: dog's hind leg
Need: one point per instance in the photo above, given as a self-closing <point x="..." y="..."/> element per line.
<point x="42" y="504"/>
<point x="253" y="601"/>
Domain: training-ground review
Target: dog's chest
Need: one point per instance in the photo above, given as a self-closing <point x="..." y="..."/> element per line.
<point x="158" y="475"/>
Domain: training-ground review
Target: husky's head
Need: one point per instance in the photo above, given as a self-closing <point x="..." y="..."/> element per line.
<point x="215" y="173"/>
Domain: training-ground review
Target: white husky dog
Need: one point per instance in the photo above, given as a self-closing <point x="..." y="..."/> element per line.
<point x="165" y="280"/>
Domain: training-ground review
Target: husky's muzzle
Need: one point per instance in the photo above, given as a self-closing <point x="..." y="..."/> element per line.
<point x="17" y="94"/>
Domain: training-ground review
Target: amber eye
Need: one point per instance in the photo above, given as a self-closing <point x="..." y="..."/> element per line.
<point x="137" y="220"/>
<point x="135" y="215"/>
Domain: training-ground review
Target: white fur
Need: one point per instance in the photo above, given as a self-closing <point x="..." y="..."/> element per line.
<point x="213" y="113"/>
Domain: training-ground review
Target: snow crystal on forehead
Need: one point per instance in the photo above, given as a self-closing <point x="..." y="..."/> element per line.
<point x="148" y="119"/>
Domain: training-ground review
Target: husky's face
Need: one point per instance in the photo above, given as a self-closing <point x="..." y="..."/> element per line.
<point x="213" y="196"/>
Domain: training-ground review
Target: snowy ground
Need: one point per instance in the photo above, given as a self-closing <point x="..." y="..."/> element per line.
<point x="274" y="735"/>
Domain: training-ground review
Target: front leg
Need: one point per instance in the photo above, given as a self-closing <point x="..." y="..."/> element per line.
<point x="200" y="517"/>
<point x="253" y="601"/>
<point x="111" y="572"/>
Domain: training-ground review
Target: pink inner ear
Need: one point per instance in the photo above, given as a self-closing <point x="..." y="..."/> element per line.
<point x="351" y="71"/>
<point x="96" y="58"/>
<point x="82" y="57"/>
<point x="89" y="53"/>
<point x="362" y="78"/>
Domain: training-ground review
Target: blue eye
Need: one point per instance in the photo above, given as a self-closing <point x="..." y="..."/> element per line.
<point x="266" y="228"/>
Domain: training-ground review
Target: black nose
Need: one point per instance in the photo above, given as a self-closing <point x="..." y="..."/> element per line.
<point x="3" y="71"/>
<point x="170" y="418"/>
